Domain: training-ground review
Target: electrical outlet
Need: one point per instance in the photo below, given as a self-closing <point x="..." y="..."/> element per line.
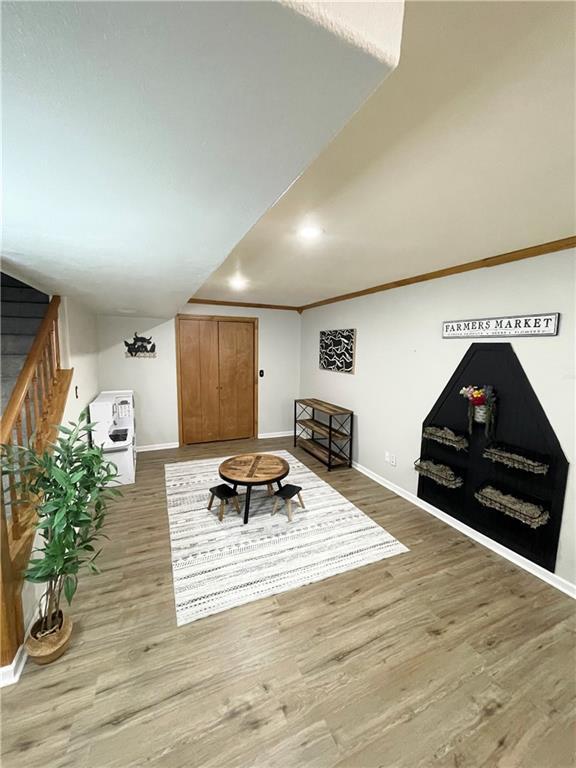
<point x="393" y="459"/>
<point x="387" y="457"/>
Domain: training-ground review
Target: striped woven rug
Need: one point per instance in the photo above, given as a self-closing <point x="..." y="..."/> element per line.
<point x="219" y="565"/>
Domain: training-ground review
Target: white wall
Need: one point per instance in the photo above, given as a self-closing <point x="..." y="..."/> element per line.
<point x="154" y="380"/>
<point x="78" y="350"/>
<point x="402" y="362"/>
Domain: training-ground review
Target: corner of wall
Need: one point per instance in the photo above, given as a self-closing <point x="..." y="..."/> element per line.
<point x="402" y="362"/>
<point x="79" y="351"/>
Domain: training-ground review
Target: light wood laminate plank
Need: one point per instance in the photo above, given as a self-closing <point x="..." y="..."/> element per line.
<point x="445" y="657"/>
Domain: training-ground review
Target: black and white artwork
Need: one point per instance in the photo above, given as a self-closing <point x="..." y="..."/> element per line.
<point x="337" y="350"/>
<point x="140" y="346"/>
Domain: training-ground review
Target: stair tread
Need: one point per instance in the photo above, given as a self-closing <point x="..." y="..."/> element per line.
<point x="23" y="308"/>
<point x="7" y="280"/>
<point x="6" y="387"/>
<point x="11" y="343"/>
<point x="17" y="335"/>
<point x="10" y="293"/>
<point x="26" y="326"/>
<point x="12" y="365"/>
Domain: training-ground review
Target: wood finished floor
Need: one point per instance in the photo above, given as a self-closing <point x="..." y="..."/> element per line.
<point x="446" y="656"/>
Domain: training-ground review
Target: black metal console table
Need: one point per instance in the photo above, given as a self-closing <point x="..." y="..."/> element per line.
<point x="324" y="430"/>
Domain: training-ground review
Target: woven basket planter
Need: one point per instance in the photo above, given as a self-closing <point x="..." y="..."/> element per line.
<point x="446" y="436"/>
<point x="440" y="473"/>
<point x="528" y="513"/>
<point x="46" y="649"/>
<point x="501" y="454"/>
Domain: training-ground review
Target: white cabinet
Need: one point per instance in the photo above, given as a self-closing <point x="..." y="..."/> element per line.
<point x="114" y="430"/>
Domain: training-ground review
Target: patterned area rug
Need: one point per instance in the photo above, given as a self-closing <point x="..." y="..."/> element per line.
<point x="219" y="565"/>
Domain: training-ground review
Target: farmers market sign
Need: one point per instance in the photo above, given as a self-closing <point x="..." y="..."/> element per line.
<point x="508" y="325"/>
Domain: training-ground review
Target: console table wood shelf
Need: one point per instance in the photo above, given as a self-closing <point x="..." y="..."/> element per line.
<point x="324" y="430"/>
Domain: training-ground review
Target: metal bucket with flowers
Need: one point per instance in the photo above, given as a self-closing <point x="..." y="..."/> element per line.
<point x="481" y="406"/>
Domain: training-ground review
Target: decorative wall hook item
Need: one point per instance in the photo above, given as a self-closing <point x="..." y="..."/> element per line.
<point x="502" y="454"/>
<point x="481" y="406"/>
<point x="140" y="346"/>
<point x="446" y="436"/>
<point x="337" y="350"/>
<point x="531" y="514"/>
<point x="440" y="473"/>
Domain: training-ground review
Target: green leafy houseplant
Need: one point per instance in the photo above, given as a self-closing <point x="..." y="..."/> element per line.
<point x="69" y="487"/>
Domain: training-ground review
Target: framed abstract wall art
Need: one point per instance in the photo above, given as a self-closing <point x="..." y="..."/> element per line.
<point x="337" y="350"/>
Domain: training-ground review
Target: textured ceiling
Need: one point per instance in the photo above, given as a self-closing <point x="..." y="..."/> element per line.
<point x="465" y="152"/>
<point x="142" y="140"/>
<point x="375" y="27"/>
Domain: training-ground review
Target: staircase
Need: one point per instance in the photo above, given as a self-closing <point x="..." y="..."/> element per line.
<point x="23" y="309"/>
<point x="34" y="392"/>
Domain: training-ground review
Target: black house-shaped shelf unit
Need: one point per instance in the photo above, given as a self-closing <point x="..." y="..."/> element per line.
<point x="521" y="424"/>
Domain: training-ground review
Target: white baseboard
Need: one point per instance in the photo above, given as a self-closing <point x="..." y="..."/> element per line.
<point x="10" y="674"/>
<point x="156" y="447"/>
<point x="536" y="570"/>
<point x="168" y="446"/>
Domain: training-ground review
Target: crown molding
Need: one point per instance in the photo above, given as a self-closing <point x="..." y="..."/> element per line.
<point x="469" y="266"/>
<point x="217" y="303"/>
<point x="492" y="261"/>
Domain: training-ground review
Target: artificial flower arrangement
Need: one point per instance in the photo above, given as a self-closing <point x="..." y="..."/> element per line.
<point x="481" y="406"/>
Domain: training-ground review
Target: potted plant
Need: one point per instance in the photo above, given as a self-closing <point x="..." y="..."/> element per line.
<point x="481" y="406"/>
<point x="69" y="487"/>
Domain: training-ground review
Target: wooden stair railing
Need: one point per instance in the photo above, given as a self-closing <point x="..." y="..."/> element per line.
<point x="33" y="412"/>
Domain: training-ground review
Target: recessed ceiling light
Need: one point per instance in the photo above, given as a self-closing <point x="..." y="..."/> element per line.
<point x="238" y="282"/>
<point x="310" y="232"/>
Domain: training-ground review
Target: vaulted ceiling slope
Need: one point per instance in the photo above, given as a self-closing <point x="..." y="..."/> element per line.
<point x="467" y="151"/>
<point x="141" y="141"/>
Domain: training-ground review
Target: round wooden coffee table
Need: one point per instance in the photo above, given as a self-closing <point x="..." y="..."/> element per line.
<point x="252" y="469"/>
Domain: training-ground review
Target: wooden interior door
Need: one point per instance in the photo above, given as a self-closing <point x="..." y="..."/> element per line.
<point x="236" y="368"/>
<point x="216" y="381"/>
<point x="199" y="381"/>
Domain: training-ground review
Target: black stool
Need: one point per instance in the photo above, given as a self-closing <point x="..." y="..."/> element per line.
<point x="224" y="493"/>
<point x="287" y="493"/>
